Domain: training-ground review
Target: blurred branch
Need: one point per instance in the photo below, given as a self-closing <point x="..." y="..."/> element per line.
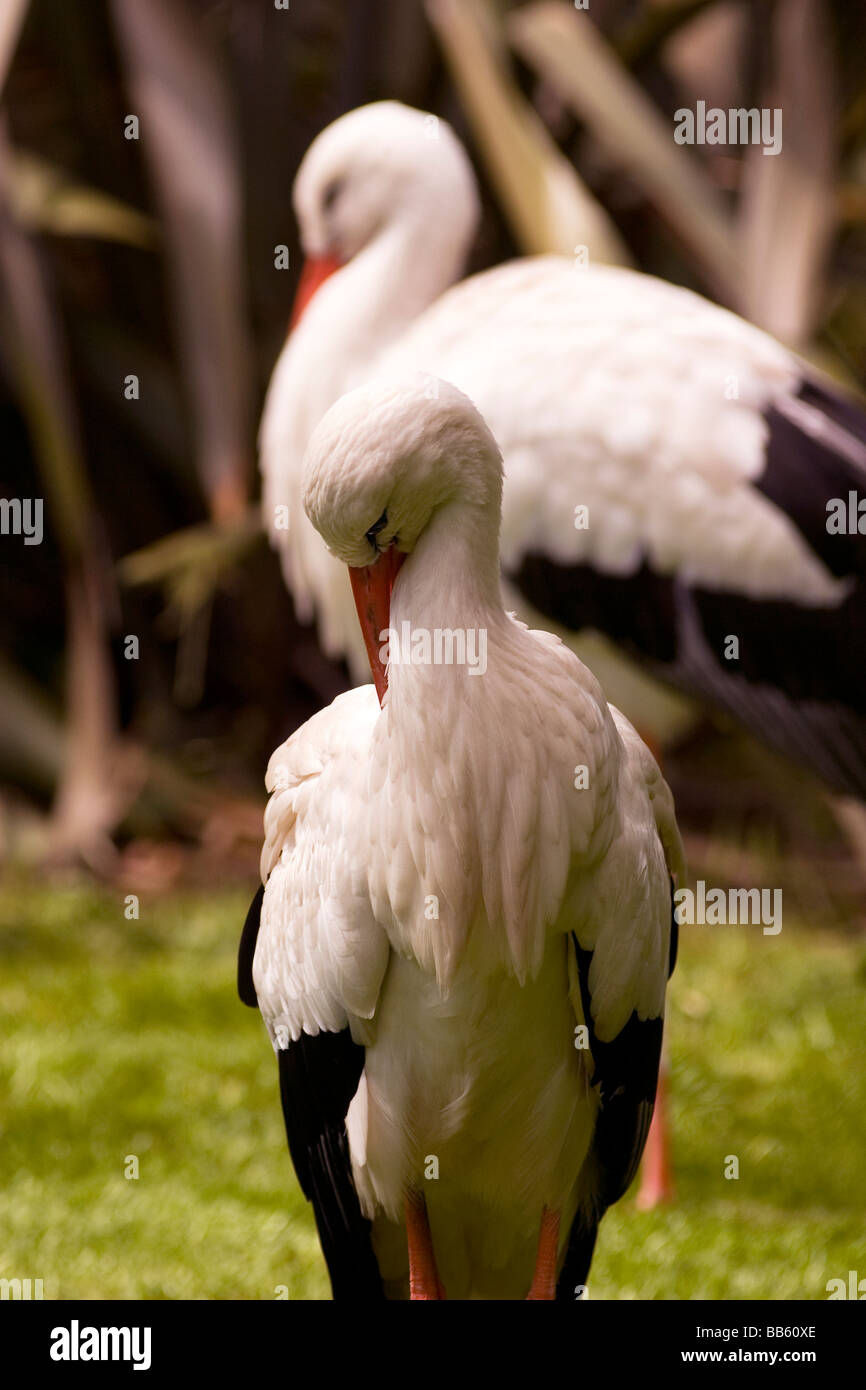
<point x="12" y="16"/>
<point x="46" y="199"/>
<point x="546" y="201"/>
<point x="654" y="25"/>
<point x="92" y="791"/>
<point x="32" y="344"/>
<point x="568" y="50"/>
<point x="86" y="800"/>
<point x="788" y="210"/>
<point x="706" y="63"/>
<point x="190" y="565"/>
<point x="182" y="102"/>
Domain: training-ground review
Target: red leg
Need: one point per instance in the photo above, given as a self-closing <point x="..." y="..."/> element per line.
<point x="544" y="1279"/>
<point x="657" y="1177"/>
<point x="657" y="1170"/>
<point x="423" y="1275"/>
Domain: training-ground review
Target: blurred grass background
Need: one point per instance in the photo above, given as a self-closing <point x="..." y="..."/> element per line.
<point x="126" y="1038"/>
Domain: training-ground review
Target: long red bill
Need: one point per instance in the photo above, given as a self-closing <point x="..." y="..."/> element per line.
<point x="372" y="585"/>
<point x="314" y="274"/>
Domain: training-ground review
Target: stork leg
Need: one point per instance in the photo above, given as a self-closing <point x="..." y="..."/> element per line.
<point x="544" y="1279"/>
<point x="657" y="1177"/>
<point x="657" y="1169"/>
<point x="423" y="1275"/>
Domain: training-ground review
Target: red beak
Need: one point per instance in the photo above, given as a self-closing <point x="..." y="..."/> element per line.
<point x="314" y="274"/>
<point x="372" y="585"/>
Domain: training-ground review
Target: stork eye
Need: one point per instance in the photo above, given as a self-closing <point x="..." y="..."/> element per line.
<point x="376" y="528"/>
<point x="331" y="194"/>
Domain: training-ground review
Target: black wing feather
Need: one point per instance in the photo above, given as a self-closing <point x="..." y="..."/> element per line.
<point x="626" y="1073"/>
<point x="247" y="950"/>
<point x="318" y="1078"/>
<point x="799" y="683"/>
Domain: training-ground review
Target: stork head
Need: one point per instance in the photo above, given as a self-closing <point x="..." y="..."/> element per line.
<point x="376" y="166"/>
<point x="385" y="461"/>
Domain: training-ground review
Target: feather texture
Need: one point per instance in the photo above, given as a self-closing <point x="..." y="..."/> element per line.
<point x="668" y="466"/>
<point x="436" y="872"/>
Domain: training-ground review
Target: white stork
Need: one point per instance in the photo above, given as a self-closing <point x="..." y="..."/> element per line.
<point x="448" y="913"/>
<point x="704" y="455"/>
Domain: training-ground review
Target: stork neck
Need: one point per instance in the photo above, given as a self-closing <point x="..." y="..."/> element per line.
<point x="446" y="599"/>
<point x="355" y="316"/>
<point x="398" y="275"/>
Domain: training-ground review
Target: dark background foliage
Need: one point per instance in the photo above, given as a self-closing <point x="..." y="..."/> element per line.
<point x="220" y="681"/>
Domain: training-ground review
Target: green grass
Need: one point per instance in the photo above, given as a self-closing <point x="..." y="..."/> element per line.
<point x="126" y="1038"/>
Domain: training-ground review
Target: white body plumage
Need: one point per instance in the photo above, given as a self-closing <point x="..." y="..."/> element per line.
<point x="425" y="865"/>
<point x="606" y="389"/>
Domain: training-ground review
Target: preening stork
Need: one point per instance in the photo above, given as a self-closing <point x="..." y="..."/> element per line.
<point x="461" y="947"/>
<point x="668" y="467"/>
